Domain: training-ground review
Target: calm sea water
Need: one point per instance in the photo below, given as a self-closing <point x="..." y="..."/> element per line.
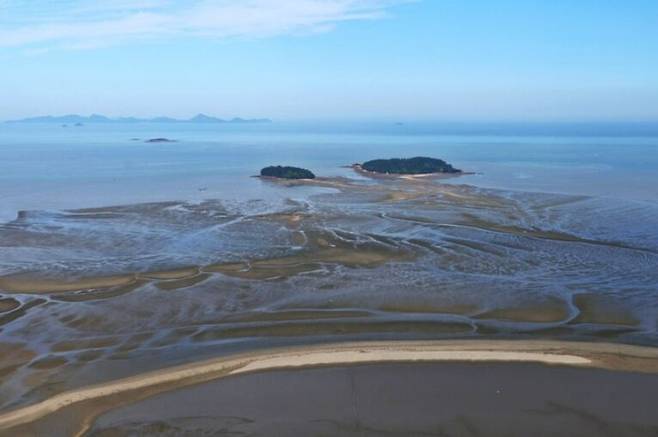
<point x="47" y="166"/>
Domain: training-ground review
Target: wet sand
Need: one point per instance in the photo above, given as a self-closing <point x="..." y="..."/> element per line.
<point x="8" y="304"/>
<point x="91" y="401"/>
<point x="90" y="297"/>
<point x="320" y="248"/>
<point x="420" y="399"/>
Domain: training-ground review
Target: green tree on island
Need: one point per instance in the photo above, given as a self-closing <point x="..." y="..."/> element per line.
<point x="417" y="165"/>
<point x="286" y="172"/>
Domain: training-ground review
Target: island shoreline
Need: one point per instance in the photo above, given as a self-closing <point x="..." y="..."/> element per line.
<point x="376" y="175"/>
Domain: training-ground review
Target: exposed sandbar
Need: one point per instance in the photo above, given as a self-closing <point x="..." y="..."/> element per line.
<point x="599" y="355"/>
<point x="8" y="304"/>
<point x="33" y="285"/>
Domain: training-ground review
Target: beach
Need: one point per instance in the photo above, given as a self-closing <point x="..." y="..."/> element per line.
<point x="116" y="393"/>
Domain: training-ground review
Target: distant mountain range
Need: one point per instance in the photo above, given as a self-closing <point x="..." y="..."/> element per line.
<point x="95" y="118"/>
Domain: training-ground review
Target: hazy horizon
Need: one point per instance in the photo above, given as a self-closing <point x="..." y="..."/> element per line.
<point x="332" y="59"/>
<point x="353" y="119"/>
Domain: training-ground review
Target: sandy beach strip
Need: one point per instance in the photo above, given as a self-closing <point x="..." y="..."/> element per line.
<point x="410" y="177"/>
<point x="599" y="355"/>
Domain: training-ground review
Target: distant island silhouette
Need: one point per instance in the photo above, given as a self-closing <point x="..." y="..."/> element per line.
<point x="95" y="118"/>
<point x="160" y="140"/>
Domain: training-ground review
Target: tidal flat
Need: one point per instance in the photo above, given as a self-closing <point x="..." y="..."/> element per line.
<point x="92" y="295"/>
<point x="401" y="400"/>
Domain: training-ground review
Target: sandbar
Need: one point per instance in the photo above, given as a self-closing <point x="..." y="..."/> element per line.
<point x="596" y="355"/>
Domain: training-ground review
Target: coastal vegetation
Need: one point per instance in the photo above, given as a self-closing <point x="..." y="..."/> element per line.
<point x="286" y="172"/>
<point x="411" y="166"/>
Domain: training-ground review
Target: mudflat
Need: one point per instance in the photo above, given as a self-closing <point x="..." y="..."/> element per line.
<point x="458" y="399"/>
<point x="76" y="410"/>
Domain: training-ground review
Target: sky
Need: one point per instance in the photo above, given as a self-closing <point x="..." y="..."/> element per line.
<point x="448" y="60"/>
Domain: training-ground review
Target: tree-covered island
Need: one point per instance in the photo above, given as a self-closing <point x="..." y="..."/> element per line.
<point x="409" y="166"/>
<point x="286" y="172"/>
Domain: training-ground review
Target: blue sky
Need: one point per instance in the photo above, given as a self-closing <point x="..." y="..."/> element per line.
<point x="336" y="59"/>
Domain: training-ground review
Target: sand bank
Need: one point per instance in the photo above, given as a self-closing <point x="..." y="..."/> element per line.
<point x="600" y="355"/>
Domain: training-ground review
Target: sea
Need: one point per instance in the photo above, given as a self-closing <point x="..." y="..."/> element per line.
<point x="53" y="167"/>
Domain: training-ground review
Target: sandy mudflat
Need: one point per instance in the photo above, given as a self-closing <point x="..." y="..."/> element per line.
<point x="401" y="399"/>
<point x="597" y="355"/>
<point x="27" y="284"/>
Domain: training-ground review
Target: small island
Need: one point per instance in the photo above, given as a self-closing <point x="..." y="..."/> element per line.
<point x="286" y="172"/>
<point x="408" y="166"/>
<point x="160" y="140"/>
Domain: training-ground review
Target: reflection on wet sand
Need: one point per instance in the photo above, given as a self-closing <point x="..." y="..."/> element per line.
<point x="133" y="288"/>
